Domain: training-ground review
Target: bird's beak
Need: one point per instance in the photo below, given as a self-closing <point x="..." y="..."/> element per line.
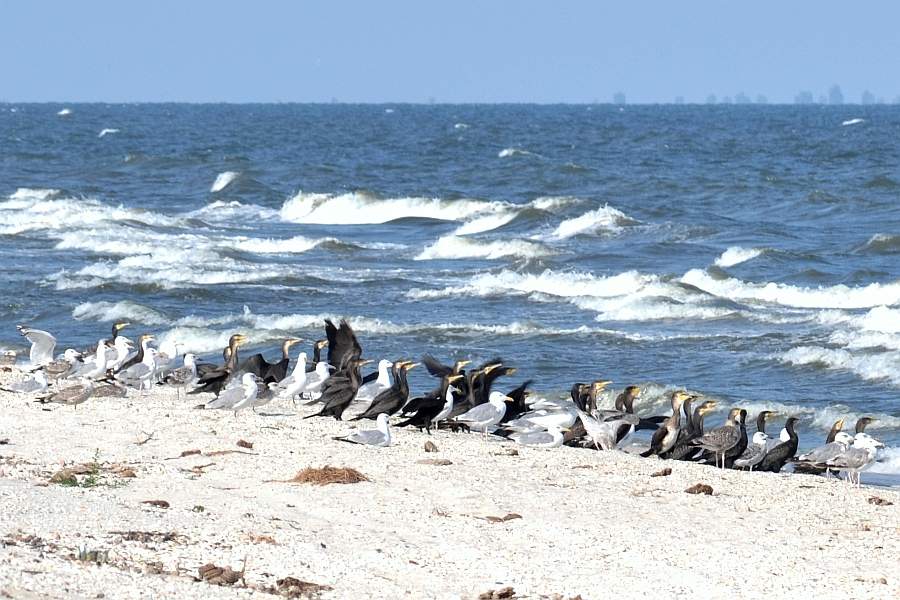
<point x="565" y="429"/>
<point x="412" y="365"/>
<point x="365" y="362"/>
<point x="121" y="326"/>
<point x="463" y="363"/>
<point x="490" y="368"/>
<point x="512" y="371"/>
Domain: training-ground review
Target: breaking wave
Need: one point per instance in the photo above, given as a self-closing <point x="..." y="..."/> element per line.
<point x="223" y="180"/>
<point x="838" y="296"/>
<point x="736" y="255"/>
<point x="453" y="247"/>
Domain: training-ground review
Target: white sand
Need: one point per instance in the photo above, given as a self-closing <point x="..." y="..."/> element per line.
<point x="593" y="523"/>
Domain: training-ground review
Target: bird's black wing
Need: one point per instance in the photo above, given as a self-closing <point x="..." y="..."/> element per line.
<point x="342" y="343"/>
<point x="435" y="368"/>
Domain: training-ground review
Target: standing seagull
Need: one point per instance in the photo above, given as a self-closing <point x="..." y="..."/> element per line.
<point x="484" y="416"/>
<point x="380" y="436"/>
<point x="237" y="397"/>
<point x="42" y="345"/>
<point x="856" y="458"/>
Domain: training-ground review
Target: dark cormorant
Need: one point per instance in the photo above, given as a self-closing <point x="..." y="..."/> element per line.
<point x="342" y="344"/>
<point x="116" y="328"/>
<point x="779" y="455"/>
<point x="808" y="468"/>
<point x="317" y="355"/>
<point x="214" y="380"/>
<point x="269" y="372"/>
<point x="862" y="423"/>
<point x="666" y="435"/>
<point x="339" y="390"/>
<point x="138" y="355"/>
<point x="392" y="399"/>
<point x="428" y="411"/>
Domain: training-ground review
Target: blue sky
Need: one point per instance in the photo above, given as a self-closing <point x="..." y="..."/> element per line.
<point x="459" y="51"/>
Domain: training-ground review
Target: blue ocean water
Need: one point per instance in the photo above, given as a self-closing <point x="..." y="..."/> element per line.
<point x="745" y="252"/>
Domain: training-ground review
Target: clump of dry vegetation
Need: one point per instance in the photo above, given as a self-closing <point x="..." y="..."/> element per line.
<point x="327" y="475"/>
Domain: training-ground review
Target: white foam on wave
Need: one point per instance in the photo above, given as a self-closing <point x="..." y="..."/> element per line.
<point x="107" y="131"/>
<point x="295" y="245"/>
<point x="606" y="218"/>
<point x="363" y="209"/>
<point x="856" y="121"/>
<point x="887" y="461"/>
<point x="838" y="296"/>
<point x="44" y="210"/>
<point x="454" y="247"/>
<point x="874" y="367"/>
<point x="485" y="223"/>
<point x="233" y="211"/>
<point x="167" y="270"/>
<point x="508" y="152"/>
<point x="64" y="112"/>
<point x="196" y="335"/>
<point x="736" y="255"/>
<point x="460" y="126"/>
<point x="118" y="311"/>
<point x="223" y="180"/>
<point x="628" y="296"/>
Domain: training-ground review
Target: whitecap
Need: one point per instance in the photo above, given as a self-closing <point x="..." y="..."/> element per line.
<point x="453" y="247"/>
<point x="460" y="126"/>
<point x="295" y="245"/>
<point x="65" y="112"/>
<point x="362" y="209"/>
<point x="223" y="180"/>
<point x="107" y="131"/>
<point x="486" y="223"/>
<point x="118" y="311"/>
<point x="838" y="296"/>
<point x="853" y="122"/>
<point x="508" y="152"/>
<point x="875" y="367"/>
<point x="736" y="255"/>
<point x="605" y="218"/>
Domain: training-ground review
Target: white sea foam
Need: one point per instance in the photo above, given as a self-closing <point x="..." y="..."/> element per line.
<point x="508" y="152"/>
<point x="453" y="247"/>
<point x="551" y="203"/>
<point x="736" y="255"/>
<point x="45" y="211"/>
<point x="853" y="122"/>
<point x="605" y="218"/>
<point x="295" y="245"/>
<point x="223" y="180"/>
<point x="460" y="126"/>
<point x="107" y="131"/>
<point x="233" y="212"/>
<point x="65" y="112"/>
<point x="360" y="209"/>
<point x="118" y="311"/>
<point x="486" y="223"/>
<point x="838" y="296"/>
<point x="883" y="366"/>
<point x="887" y="461"/>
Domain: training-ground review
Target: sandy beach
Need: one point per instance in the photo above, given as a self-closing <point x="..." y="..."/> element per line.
<point x="548" y="523"/>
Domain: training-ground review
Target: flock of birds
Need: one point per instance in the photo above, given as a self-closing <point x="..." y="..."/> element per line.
<point x="463" y="400"/>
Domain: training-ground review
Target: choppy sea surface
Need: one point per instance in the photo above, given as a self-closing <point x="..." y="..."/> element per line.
<point x="746" y="252"/>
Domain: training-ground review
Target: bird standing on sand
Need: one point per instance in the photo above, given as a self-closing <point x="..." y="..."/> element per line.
<point x="485" y="416"/>
<point x="380" y="436"/>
